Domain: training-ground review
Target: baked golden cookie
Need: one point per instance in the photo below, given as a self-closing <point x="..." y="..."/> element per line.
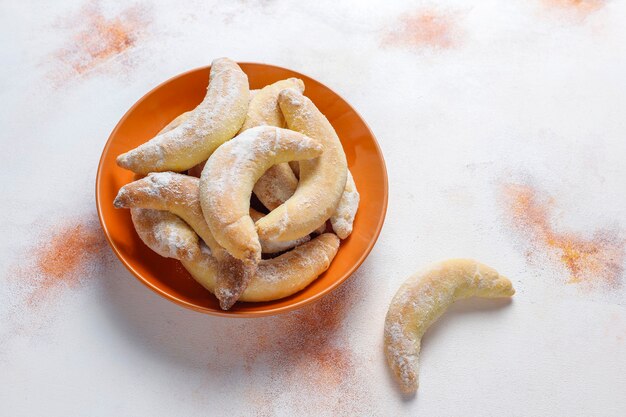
<point x="277" y="277"/>
<point x="322" y="180"/>
<point x="196" y="170"/>
<point x="179" y="194"/>
<point x="217" y="119"/>
<point x="422" y="299"/>
<point x="166" y="233"/>
<point x="229" y="176"/>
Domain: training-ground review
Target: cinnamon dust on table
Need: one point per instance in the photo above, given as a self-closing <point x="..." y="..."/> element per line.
<point x="310" y="359"/>
<point x="426" y="28"/>
<point x="98" y="40"/>
<point x="62" y="258"/>
<point x="593" y="259"/>
<point x="578" y="8"/>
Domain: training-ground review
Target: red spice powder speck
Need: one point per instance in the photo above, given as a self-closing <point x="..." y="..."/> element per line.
<point x="595" y="259"/>
<point x="579" y="8"/>
<point x="310" y="359"/>
<point x="428" y="28"/>
<point x="98" y="39"/>
<point x="61" y="259"/>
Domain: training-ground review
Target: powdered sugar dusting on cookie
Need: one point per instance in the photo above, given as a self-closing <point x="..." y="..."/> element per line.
<point x="232" y="171"/>
<point x="300" y="259"/>
<point x="211" y="123"/>
<point x="165" y="233"/>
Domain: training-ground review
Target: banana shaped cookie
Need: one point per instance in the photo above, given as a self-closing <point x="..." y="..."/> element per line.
<point x="217" y="119"/>
<point x="229" y="176"/>
<point x="322" y="180"/>
<point x="166" y="233"/>
<point x="179" y="194"/>
<point x="196" y="170"/>
<point x="422" y="299"/>
<point x="275" y="278"/>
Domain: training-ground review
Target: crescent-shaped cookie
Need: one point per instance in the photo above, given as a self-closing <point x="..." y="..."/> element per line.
<point x="343" y="218"/>
<point x="322" y="180"/>
<point x="277" y="277"/>
<point x="179" y="194"/>
<point x="215" y="120"/>
<point x="422" y="299"/>
<point x="166" y="233"/>
<point x="230" y="174"/>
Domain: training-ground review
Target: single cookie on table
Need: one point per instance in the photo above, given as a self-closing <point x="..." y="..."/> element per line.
<point x="229" y="176"/>
<point x="179" y="194"/>
<point x="422" y="299"/>
<point x="215" y="120"/>
<point x="322" y="180"/>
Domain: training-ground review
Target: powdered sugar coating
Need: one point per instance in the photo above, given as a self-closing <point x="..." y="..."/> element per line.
<point x="278" y="277"/>
<point x="229" y="177"/>
<point x="179" y="194"/>
<point x="165" y="233"/>
<point x="215" y="120"/>
<point x="172" y="192"/>
<point x="322" y="180"/>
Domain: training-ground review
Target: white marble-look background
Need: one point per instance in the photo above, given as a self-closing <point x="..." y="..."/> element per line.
<point x="472" y="96"/>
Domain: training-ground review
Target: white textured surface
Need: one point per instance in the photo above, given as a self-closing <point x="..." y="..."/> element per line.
<point x="525" y="92"/>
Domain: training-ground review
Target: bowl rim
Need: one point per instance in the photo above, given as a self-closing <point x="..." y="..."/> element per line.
<point x="228" y="313"/>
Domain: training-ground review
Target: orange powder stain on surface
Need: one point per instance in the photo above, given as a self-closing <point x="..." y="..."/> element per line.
<point x="312" y="366"/>
<point x="62" y="258"/>
<point x="98" y="39"/>
<point x="579" y="8"/>
<point x="424" y="29"/>
<point x="595" y="259"/>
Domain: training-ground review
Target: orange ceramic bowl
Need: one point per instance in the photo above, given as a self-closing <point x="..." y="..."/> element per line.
<point x="167" y="276"/>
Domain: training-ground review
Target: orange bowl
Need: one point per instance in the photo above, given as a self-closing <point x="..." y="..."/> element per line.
<point x="167" y="277"/>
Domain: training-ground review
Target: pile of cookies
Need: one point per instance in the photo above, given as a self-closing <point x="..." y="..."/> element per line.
<point x="194" y="203"/>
